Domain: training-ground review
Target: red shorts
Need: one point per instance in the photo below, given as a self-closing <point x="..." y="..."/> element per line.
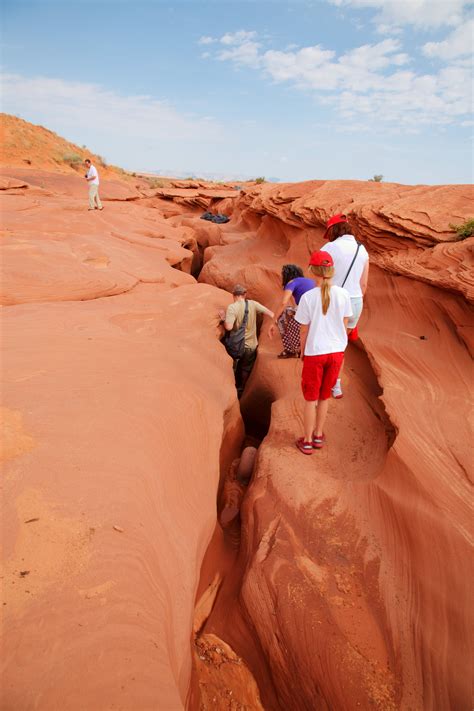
<point x="319" y="375"/>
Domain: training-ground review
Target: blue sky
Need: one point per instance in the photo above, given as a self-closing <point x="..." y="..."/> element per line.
<point x="295" y="90"/>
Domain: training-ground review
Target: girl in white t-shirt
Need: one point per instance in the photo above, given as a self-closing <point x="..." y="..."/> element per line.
<point x="323" y="314"/>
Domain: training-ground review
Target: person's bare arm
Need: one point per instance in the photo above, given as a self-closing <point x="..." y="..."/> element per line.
<point x="267" y="312"/>
<point x="261" y="309"/>
<point x="287" y="294"/>
<point x="346" y="321"/>
<point x="364" y="280"/>
<point x="303" y="336"/>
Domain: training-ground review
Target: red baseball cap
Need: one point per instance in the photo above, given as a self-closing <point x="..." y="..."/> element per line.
<point x="334" y="220"/>
<point x="321" y="259"/>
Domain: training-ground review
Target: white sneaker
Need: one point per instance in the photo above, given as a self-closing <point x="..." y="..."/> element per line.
<point x="337" y="391"/>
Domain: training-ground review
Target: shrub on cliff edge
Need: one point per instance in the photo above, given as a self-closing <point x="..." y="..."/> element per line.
<point x="260" y="180"/>
<point x="72" y="159"/>
<point x="465" y="230"/>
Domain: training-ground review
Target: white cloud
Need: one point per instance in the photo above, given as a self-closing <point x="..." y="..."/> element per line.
<point x="457" y="44"/>
<point x="245" y="54"/>
<point x="319" y="69"/>
<point x="237" y="38"/>
<point x="383" y="29"/>
<point x="58" y="103"/>
<point x="421" y="13"/>
<point x="369" y="81"/>
<point x="239" y="47"/>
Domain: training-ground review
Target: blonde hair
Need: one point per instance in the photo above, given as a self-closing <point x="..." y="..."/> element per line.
<point x="327" y="274"/>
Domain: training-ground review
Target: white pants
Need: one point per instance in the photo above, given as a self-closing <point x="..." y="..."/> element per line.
<point x="94" y="199"/>
<point x="357" y="303"/>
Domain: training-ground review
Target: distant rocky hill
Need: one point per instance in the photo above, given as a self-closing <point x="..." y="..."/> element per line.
<point x="25" y="144"/>
<point x="211" y="177"/>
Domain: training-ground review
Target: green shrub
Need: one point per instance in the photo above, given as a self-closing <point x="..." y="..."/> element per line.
<point x="376" y="179"/>
<point x="259" y="180"/>
<point x="156" y="184"/>
<point x="465" y="230"/>
<point x="72" y="159"/>
<point x="101" y="161"/>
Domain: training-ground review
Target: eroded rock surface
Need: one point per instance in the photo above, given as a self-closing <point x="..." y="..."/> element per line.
<point x="351" y="576"/>
<point x="117" y="401"/>
<point x="341" y="581"/>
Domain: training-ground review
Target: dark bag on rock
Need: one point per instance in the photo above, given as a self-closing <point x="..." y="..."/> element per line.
<point x="234" y="341"/>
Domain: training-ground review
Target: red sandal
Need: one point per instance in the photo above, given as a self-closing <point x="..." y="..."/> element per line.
<point x="318" y="441"/>
<point x="305" y="447"/>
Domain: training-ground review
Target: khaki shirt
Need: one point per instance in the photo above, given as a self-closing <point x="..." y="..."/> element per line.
<point x="235" y="315"/>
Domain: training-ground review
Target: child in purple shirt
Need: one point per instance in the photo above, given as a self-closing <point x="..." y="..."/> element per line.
<point x="294" y="286"/>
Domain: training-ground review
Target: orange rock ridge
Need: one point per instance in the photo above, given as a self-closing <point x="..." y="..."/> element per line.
<point x="343" y="583"/>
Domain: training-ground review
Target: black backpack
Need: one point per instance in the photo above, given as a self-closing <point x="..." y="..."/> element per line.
<point x="234" y="341"/>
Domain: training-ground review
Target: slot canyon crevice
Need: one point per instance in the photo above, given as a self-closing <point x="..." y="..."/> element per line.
<point x="165" y="545"/>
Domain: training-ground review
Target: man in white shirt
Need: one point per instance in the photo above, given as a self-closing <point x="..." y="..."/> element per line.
<point x="351" y="265"/>
<point x="92" y="177"/>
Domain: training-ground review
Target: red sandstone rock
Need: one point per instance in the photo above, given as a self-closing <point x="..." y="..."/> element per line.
<point x="348" y="589"/>
<point x="351" y="565"/>
<point x="98" y="454"/>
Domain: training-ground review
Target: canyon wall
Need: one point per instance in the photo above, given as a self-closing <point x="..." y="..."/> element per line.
<point x="353" y="576"/>
<point x="119" y="412"/>
<point x="349" y="584"/>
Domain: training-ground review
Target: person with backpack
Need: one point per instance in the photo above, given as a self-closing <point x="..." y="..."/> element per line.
<point x="351" y="271"/>
<point x="240" y="323"/>
<point x="294" y="286"/>
<point x="323" y="314"/>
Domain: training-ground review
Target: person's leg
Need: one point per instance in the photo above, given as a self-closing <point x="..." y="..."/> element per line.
<point x="91" y="197"/>
<point x="292" y="336"/>
<point x="336" y="391"/>
<point x="246" y="364"/>
<point x="321" y="414"/>
<point x="357" y="304"/>
<point x="310" y="385"/>
<point x="290" y="333"/>
<point x="309" y="419"/>
<point x="97" y="199"/>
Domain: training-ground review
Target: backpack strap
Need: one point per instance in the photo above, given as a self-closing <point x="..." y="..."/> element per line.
<point x="246" y="314"/>
<point x="352" y="263"/>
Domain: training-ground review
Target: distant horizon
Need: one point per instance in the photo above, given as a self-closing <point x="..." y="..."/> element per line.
<point x="189" y="174"/>
<point x="296" y="89"/>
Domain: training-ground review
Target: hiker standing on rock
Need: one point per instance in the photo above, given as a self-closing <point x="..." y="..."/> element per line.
<point x="240" y="322"/>
<point x="92" y="177"/>
<point x="294" y="286"/>
<point x="351" y="271"/>
<point x="323" y="313"/>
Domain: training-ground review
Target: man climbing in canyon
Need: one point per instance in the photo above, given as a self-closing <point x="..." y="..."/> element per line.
<point x="323" y="314"/>
<point x="92" y="177"/>
<point x="240" y="323"/>
<point x="351" y="271"/>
